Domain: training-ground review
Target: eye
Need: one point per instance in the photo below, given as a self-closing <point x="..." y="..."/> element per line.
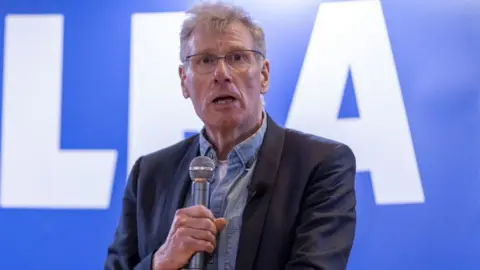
<point x="237" y="57"/>
<point x="205" y="59"/>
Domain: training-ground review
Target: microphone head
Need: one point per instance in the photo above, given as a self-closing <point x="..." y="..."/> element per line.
<point x="202" y="168"/>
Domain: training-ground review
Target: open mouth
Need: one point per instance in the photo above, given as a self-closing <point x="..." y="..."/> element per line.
<point x="224" y="99"/>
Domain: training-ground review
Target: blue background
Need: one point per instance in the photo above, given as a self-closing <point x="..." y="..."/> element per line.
<point x="436" y="47"/>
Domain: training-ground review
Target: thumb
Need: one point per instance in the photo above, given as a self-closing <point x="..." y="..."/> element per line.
<point x="220" y="223"/>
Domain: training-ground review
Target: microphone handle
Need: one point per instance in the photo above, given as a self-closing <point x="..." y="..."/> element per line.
<point x="200" y="195"/>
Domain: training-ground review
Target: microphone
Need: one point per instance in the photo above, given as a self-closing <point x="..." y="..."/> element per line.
<point x="201" y="172"/>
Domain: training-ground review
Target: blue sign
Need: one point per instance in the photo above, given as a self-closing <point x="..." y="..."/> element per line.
<point x="89" y="86"/>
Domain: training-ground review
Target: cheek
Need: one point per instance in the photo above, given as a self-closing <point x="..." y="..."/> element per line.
<point x="252" y="83"/>
<point x="197" y="89"/>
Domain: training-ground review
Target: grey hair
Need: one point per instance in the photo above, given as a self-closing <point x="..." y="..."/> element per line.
<point x="218" y="16"/>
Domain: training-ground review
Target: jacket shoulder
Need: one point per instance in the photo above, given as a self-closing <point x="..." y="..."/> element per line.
<point x="171" y="154"/>
<point x="154" y="167"/>
<point x="303" y="139"/>
<point x="315" y="147"/>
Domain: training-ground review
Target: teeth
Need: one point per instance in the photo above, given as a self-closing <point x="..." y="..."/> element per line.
<point x="224" y="101"/>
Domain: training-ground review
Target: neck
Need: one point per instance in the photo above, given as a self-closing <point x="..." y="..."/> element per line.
<point x="223" y="141"/>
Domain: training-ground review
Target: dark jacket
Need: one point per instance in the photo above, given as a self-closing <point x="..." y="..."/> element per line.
<point x="301" y="216"/>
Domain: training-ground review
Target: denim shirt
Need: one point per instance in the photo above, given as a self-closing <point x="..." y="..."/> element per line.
<point x="228" y="196"/>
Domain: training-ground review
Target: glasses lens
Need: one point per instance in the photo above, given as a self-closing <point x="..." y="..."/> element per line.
<point x="204" y="63"/>
<point x="239" y="59"/>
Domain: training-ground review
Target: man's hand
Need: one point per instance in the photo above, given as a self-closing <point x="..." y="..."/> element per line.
<point x="194" y="229"/>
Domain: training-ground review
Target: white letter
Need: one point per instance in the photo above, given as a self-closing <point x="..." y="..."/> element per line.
<point x="353" y="34"/>
<point x="158" y="113"/>
<point x="35" y="173"/>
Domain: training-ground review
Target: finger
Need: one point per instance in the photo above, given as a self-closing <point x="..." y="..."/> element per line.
<point x="201" y="224"/>
<point x="195" y="223"/>
<point x="197" y="234"/>
<point x="220" y="223"/>
<point x="199" y="211"/>
<point x="183" y="217"/>
<point x="195" y="245"/>
<point x="180" y="220"/>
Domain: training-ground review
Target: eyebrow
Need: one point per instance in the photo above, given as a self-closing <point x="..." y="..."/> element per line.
<point x="209" y="51"/>
<point x="232" y="48"/>
<point x="239" y="47"/>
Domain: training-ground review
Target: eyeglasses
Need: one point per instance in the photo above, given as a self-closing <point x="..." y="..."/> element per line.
<point x="237" y="60"/>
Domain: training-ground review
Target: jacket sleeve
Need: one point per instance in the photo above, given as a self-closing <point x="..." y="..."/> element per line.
<point x="326" y="227"/>
<point x="122" y="253"/>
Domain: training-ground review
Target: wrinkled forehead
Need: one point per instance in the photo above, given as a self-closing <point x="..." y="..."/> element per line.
<point x="210" y="38"/>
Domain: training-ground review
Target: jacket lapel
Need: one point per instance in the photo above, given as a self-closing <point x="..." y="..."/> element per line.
<point x="178" y="188"/>
<point x="263" y="180"/>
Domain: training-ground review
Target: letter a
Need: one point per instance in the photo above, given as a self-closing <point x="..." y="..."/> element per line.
<point x="353" y="35"/>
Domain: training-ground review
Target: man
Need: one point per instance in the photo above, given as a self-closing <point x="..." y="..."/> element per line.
<point x="280" y="199"/>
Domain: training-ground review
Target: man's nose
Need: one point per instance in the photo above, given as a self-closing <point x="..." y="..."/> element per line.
<point x="222" y="72"/>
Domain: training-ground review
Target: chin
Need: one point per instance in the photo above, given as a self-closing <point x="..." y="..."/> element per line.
<point x="224" y="121"/>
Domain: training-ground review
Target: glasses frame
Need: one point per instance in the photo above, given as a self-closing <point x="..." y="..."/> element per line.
<point x="218" y="57"/>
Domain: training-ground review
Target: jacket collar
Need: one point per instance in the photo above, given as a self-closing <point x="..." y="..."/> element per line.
<point x="262" y="184"/>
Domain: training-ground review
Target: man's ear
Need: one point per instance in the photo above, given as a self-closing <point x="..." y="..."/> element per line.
<point x="183" y="76"/>
<point x="265" y="77"/>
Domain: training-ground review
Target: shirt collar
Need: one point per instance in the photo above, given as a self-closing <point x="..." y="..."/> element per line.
<point x="246" y="151"/>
